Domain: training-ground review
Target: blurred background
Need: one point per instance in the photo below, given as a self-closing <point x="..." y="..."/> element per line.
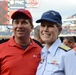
<point x="67" y="8"/>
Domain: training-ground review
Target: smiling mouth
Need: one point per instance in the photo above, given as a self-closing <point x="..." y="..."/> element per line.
<point x="47" y="35"/>
<point x="20" y="30"/>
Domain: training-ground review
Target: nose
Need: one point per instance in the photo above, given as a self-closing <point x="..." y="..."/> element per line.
<point x="46" y="27"/>
<point x="19" y="25"/>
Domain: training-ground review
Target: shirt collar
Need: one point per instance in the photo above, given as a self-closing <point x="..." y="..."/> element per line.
<point x="13" y="43"/>
<point x="53" y="47"/>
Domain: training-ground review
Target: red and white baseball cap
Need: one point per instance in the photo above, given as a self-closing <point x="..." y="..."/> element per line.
<point x="22" y="11"/>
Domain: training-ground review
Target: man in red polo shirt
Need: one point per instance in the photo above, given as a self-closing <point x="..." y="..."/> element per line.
<point x="20" y="55"/>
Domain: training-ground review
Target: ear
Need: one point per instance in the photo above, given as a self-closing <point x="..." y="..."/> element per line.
<point x="60" y="29"/>
<point x="32" y="27"/>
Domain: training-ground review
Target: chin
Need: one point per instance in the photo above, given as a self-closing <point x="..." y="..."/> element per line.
<point x="46" y="40"/>
<point x="20" y="36"/>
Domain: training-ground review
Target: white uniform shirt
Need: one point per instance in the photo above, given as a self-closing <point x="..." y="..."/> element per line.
<point x="50" y="59"/>
<point x="70" y="63"/>
<point x="68" y="66"/>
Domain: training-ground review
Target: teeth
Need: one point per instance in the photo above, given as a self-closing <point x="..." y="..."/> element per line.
<point x="46" y="35"/>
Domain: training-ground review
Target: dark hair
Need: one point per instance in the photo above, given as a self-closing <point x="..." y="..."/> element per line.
<point x="70" y="39"/>
<point x="58" y="25"/>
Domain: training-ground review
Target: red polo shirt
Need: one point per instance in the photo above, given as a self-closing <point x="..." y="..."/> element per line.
<point x="16" y="61"/>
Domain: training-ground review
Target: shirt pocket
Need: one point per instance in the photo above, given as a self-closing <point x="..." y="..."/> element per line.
<point x="52" y="67"/>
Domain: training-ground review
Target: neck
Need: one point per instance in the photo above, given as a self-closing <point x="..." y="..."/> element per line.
<point x="49" y="44"/>
<point x="22" y="41"/>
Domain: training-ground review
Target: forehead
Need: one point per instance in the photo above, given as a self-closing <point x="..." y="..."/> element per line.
<point x="20" y="20"/>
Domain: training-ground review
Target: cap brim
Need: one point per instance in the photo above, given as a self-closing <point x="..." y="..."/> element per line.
<point x="51" y="20"/>
<point x="38" y="21"/>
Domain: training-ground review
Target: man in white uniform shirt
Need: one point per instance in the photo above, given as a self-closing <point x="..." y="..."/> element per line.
<point x="52" y="52"/>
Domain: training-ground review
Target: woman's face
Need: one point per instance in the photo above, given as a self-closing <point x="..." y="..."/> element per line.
<point x="49" y="31"/>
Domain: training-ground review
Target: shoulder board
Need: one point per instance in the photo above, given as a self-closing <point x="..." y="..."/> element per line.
<point x="64" y="47"/>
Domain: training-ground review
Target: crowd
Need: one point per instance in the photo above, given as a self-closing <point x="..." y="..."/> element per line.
<point x="23" y="55"/>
